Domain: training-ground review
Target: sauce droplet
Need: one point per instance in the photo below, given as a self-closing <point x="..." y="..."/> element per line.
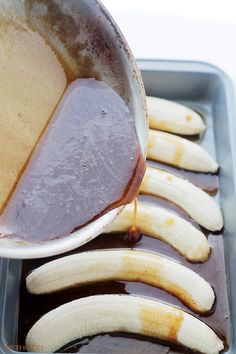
<point x="133" y="235"/>
<point x="135" y="210"/>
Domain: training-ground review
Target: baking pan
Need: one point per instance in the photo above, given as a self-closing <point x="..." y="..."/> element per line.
<point x="204" y="88"/>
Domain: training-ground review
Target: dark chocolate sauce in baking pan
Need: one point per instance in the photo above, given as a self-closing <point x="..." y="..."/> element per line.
<point x="32" y="307"/>
<point x="87" y="162"/>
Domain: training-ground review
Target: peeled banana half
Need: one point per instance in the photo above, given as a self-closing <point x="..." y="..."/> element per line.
<point x="129" y="265"/>
<point x="197" y="203"/>
<point x="111" y="313"/>
<point x="180" y="152"/>
<point x="173" y="117"/>
<point x="166" y="226"/>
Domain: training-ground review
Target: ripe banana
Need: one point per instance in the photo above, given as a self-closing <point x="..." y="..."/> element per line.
<point x="173" y="117"/>
<point x="129" y="265"/>
<point x="166" y="226"/>
<point x="179" y="152"/>
<point x="111" y="313"/>
<point x="197" y="203"/>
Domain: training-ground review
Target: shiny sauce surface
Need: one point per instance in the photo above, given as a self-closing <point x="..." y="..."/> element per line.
<point x="87" y="162"/>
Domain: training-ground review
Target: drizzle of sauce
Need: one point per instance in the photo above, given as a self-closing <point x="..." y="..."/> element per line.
<point x="135" y="210"/>
<point x="87" y="162"/>
<point x="133" y="233"/>
<point x="174" y="321"/>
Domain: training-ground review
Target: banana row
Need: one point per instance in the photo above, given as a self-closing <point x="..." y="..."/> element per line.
<point x="175" y="118"/>
<point x="166" y="226"/>
<point x="95" y="314"/>
<point x="94" y="266"/>
<point x="197" y="203"/>
<point x="109" y="313"/>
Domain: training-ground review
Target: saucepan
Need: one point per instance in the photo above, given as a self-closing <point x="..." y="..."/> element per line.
<point x="90" y="44"/>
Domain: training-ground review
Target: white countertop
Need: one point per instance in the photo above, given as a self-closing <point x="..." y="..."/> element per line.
<point x="202" y="30"/>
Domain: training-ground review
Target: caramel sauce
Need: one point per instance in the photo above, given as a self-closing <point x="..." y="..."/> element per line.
<point x="112" y="147"/>
<point x="122" y="343"/>
<point x="164" y="203"/>
<point x="133" y="234"/>
<point x="135" y="210"/>
<point x="33" y="307"/>
<point x="148" y="317"/>
<point x="87" y="162"/>
<point x="152" y="276"/>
